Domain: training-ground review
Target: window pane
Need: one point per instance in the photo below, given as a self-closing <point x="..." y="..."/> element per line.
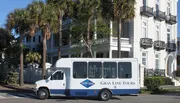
<point x="168" y="30"/>
<point x="144" y="2"/>
<point x="58" y="76"/>
<point x="124" y="70"/>
<point x="144" y="62"/>
<point x="95" y="70"/>
<point x="144" y="24"/>
<point x="143" y="54"/>
<point x="168" y="37"/>
<point x="80" y="70"/>
<point x="110" y="70"/>
<point x="144" y="59"/>
<point x="157" y="56"/>
<point x="157" y="64"/>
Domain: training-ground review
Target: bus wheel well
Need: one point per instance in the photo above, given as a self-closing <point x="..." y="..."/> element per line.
<point x="105" y="89"/>
<point x="45" y="88"/>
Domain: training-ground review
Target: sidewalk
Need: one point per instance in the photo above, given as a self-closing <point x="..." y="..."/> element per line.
<point x="16" y="88"/>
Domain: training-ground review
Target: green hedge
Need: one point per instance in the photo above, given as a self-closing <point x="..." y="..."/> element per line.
<point x="11" y="77"/>
<point x="153" y="83"/>
<point x="167" y="81"/>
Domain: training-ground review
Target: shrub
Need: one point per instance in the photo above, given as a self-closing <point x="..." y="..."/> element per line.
<point x="167" y="81"/>
<point x="11" y="77"/>
<point x="153" y="83"/>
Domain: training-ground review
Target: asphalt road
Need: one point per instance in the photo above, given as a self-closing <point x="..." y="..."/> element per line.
<point x="27" y="98"/>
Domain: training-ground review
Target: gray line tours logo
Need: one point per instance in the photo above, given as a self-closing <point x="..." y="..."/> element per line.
<point x="87" y="83"/>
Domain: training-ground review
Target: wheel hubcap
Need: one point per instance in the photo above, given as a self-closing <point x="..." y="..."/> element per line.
<point x="105" y="95"/>
<point x="42" y="94"/>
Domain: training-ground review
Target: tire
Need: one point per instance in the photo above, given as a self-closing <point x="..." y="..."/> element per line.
<point x="43" y="94"/>
<point x="105" y="95"/>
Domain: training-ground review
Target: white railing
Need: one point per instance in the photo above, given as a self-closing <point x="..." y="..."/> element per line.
<point x="123" y="40"/>
<point x="98" y="41"/>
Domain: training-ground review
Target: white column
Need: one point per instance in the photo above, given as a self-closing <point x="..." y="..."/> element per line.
<point x="110" y="53"/>
<point x="141" y="76"/>
<point x="110" y="38"/>
<point x="81" y="55"/>
<point x="95" y="31"/>
<point x="94" y="54"/>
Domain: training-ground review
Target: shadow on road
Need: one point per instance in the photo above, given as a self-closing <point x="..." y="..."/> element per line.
<point x="167" y="93"/>
<point x="64" y="98"/>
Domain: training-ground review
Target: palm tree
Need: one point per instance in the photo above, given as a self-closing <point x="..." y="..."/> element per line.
<point x="62" y="7"/>
<point x="18" y="21"/>
<point x="119" y="10"/>
<point x="87" y="11"/>
<point x="45" y="20"/>
<point x="33" y="57"/>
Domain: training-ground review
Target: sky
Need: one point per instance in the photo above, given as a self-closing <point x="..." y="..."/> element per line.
<point x="7" y="6"/>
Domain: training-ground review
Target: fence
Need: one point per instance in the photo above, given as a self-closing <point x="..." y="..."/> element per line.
<point x="31" y="75"/>
<point x="154" y="72"/>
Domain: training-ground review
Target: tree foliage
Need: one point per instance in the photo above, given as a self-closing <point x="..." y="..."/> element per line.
<point x="5" y="39"/>
<point x="33" y="57"/>
<point x="118" y="11"/>
<point x="45" y="20"/>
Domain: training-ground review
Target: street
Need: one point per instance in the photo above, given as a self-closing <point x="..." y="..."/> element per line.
<point x="142" y="98"/>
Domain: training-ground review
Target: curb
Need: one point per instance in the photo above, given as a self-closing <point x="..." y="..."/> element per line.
<point x="15" y="88"/>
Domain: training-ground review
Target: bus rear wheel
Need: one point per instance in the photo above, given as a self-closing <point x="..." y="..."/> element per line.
<point x="105" y="95"/>
<point x="43" y="94"/>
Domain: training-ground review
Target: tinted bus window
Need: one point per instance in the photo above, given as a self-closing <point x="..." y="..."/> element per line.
<point x="110" y="70"/>
<point x="124" y="70"/>
<point x="80" y="69"/>
<point x="95" y="70"/>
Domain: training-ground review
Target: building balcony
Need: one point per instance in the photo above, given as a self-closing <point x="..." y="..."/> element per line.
<point x="159" y="45"/>
<point x="146" y="43"/>
<point x="147" y="11"/>
<point x="99" y="44"/>
<point x="159" y="15"/>
<point x="171" y="19"/>
<point x="170" y="47"/>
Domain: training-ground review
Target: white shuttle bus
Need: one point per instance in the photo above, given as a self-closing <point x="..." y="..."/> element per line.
<point x="100" y="77"/>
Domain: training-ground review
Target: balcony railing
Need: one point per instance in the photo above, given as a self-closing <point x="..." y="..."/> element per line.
<point x="147" y="11"/>
<point x="146" y="43"/>
<point x="159" y="45"/>
<point x="170" y="47"/>
<point x="148" y="72"/>
<point x="171" y="19"/>
<point x="123" y="40"/>
<point x="159" y="15"/>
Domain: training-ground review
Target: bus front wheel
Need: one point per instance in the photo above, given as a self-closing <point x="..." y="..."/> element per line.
<point x="105" y="95"/>
<point x="43" y="94"/>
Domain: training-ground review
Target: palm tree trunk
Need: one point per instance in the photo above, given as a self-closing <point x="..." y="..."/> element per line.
<point x="119" y="27"/>
<point x="89" y="51"/>
<point x="21" y="61"/>
<point x="60" y="34"/>
<point x="44" y="55"/>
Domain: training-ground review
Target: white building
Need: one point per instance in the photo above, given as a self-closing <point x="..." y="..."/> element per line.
<point x="151" y="37"/>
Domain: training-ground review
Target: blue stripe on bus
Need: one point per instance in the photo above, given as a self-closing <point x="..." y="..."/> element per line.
<point x="92" y="92"/>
